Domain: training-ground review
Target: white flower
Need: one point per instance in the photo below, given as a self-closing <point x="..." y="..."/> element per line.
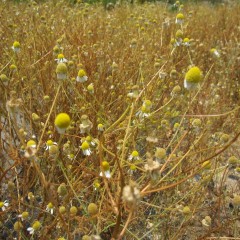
<point x="215" y="52"/>
<point x="24" y="215"/>
<point x="179" y="21"/>
<point x="31" y="230"/>
<point x="87" y="152"/>
<point x="4" y="205"/>
<point x="49" y="144"/>
<point x="50" y="208"/>
<point x="145" y="109"/>
<point x="107" y="174"/>
<point x="15" y="49"/>
<point x="106" y="170"/>
<point x="100" y="127"/>
<point x="86" y="148"/>
<point x="61" y="76"/>
<point x="141" y="114"/>
<point x="190" y="85"/>
<point x="82" y="76"/>
<point x="36" y="225"/>
<point x="81" y="79"/>
<point x="134" y="156"/>
<point x="61" y="59"/>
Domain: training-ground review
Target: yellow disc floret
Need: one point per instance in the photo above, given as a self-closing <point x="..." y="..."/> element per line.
<point x="16" y="44"/>
<point x="92" y="209"/>
<point x="85" y="145"/>
<point x="81" y="73"/>
<point x="36" y="225"/>
<point x="62" y="120"/>
<point x="179" y="34"/>
<point x="31" y="143"/>
<point x="60" y="56"/>
<point x="105" y="165"/>
<point x="194" y="75"/>
<point x="49" y="143"/>
<point x="135" y="153"/>
<point x="180" y="16"/>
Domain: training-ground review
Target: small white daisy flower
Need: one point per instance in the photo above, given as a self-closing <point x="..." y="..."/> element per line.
<point x="82" y="76"/>
<point x="215" y="53"/>
<point x="134" y="156"/>
<point x="23" y="215"/>
<point x="106" y="170"/>
<point x="36" y="226"/>
<point x="4" y="205"/>
<point x="86" y="148"/>
<point x="179" y="18"/>
<point x="100" y="127"/>
<point x="16" y="47"/>
<point x="61" y="59"/>
<point x="145" y="109"/>
<point x="50" y="208"/>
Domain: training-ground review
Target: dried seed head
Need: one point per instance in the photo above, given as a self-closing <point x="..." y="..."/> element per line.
<point x="131" y="194"/>
<point x="18" y="226"/>
<point x="73" y="210"/>
<point x="92" y="209"/>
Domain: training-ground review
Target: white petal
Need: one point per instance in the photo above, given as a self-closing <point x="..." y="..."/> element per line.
<point x="31" y="230"/>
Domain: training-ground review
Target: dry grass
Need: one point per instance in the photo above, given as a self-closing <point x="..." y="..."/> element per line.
<point x="185" y="169"/>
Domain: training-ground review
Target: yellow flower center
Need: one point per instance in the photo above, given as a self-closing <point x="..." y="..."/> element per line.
<point x="194" y="75"/>
<point x="81" y="73"/>
<point x="36" y="225"/>
<point x="85" y="145"/>
<point x="135" y="154"/>
<point x="62" y="120"/>
<point x="16" y="44"/>
<point x="105" y="166"/>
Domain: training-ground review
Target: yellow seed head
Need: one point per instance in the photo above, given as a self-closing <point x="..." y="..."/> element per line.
<point x="179" y="34"/>
<point x="89" y="138"/>
<point x="35" y="117"/>
<point x="4" y="78"/>
<point x="62" y="190"/>
<point x="186" y="210"/>
<point x="62" y="209"/>
<point x="233" y="160"/>
<point x="73" y="210"/>
<point x="18" y="226"/>
<point x="61" y="68"/>
<point x="160" y="153"/>
<point x="90" y="87"/>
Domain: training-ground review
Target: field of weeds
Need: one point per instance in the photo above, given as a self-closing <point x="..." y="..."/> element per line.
<point x="119" y="123"/>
